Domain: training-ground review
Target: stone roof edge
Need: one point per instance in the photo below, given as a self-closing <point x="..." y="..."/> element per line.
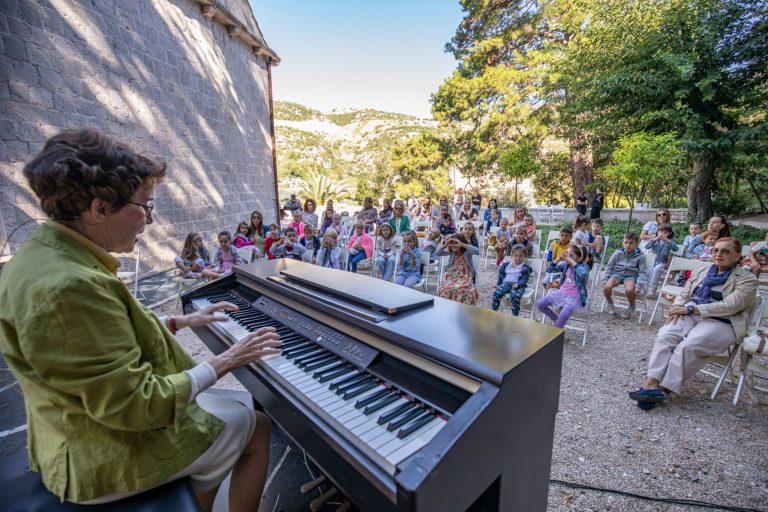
<point x="236" y="29"/>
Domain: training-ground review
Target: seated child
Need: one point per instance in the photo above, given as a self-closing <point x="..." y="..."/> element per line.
<point x="226" y="256"/>
<point x="556" y="253"/>
<point x="662" y="246"/>
<point x="459" y="279"/>
<point x="272" y="237"/>
<point x="430" y="243"/>
<point x="513" y="279"/>
<point x="310" y="241"/>
<point x="297" y="224"/>
<point x="694" y="229"/>
<point x="596" y="241"/>
<point x="409" y="273"/>
<point x="571" y="295"/>
<point x="360" y="246"/>
<point x="470" y="234"/>
<point x="703" y="251"/>
<point x="243" y="241"/>
<point x="757" y="261"/>
<point x="530" y="227"/>
<point x="446" y="225"/>
<point x="626" y="266"/>
<point x="288" y="246"/>
<point x="329" y="252"/>
<point x="195" y="260"/>
<point x="503" y="239"/>
<point x="494" y="222"/>
<point x="521" y="238"/>
<point x="338" y="227"/>
<point x="580" y="226"/>
<point x="386" y="252"/>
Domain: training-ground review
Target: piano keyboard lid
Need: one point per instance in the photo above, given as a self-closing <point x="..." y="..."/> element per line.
<point x="386" y="297"/>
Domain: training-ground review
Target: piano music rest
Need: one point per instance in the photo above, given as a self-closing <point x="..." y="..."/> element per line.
<point x="437" y="406"/>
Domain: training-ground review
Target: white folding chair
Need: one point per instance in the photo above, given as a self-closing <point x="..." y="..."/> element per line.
<point x="641" y="293"/>
<point x="754" y="360"/>
<point x="307" y="256"/>
<point x="421" y="225"/>
<point x="434" y="266"/>
<point x="531" y="292"/>
<point x="489" y="250"/>
<point x="668" y="292"/>
<point x="537" y="243"/>
<point x="558" y="214"/>
<point x="128" y="272"/>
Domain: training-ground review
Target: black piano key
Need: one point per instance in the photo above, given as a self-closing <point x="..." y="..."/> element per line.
<point x="333" y="375"/>
<point x="380" y="404"/>
<point x="399" y="422"/>
<point x="340" y="390"/>
<point x="360" y="390"/>
<point x="299" y="345"/>
<point x="333" y="368"/>
<point x="291" y="343"/>
<point x="323" y="359"/>
<point x="310" y="358"/>
<point x="357" y="377"/>
<point x="416" y="424"/>
<point x="381" y="394"/>
<point x="319" y="364"/>
<point x="384" y="418"/>
<point x="292" y="354"/>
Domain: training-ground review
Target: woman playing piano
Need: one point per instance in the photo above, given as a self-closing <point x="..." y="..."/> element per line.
<point x="112" y="399"/>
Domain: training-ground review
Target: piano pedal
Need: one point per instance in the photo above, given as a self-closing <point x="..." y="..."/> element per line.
<point x="310" y="486"/>
<point x="345" y="507"/>
<point x="319" y="503"/>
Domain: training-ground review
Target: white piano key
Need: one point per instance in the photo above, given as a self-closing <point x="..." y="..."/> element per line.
<point x="412" y="445"/>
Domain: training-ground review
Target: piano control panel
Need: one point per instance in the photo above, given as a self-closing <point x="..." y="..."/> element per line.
<point x="330" y="339"/>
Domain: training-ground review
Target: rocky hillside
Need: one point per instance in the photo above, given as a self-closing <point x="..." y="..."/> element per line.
<point x="343" y="144"/>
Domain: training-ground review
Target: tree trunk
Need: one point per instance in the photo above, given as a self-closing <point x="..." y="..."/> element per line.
<point x="580" y="162"/>
<point x="700" y="189"/>
<point x="757" y="195"/>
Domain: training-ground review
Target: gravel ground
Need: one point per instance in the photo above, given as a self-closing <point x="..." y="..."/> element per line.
<point x="688" y="448"/>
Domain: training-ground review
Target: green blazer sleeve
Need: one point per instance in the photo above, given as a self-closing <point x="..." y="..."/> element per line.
<point x="81" y="342"/>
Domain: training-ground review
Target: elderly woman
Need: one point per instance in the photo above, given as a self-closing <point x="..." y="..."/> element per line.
<point x="709" y="316"/>
<point x="113" y="402"/>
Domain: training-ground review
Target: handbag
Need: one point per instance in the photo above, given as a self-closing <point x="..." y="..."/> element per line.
<point x="756" y="343"/>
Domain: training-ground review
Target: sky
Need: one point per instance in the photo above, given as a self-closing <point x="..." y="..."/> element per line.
<point x="382" y="54"/>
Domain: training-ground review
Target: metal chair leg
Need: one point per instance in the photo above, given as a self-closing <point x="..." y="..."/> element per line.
<point x="739" y="386"/>
<point x="724" y="373"/>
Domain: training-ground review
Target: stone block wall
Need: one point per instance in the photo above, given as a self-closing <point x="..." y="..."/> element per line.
<point x="155" y="74"/>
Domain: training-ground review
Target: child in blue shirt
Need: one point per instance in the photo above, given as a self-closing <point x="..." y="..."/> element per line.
<point x="662" y="246"/>
<point x="409" y="273"/>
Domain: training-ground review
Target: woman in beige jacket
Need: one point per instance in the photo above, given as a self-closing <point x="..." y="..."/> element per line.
<point x="709" y="316"/>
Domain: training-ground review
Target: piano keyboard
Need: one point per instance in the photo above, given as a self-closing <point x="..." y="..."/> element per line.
<point x="377" y="417"/>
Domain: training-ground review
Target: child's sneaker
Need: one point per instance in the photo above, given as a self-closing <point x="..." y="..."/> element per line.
<point x="628" y="312"/>
<point x="612" y="309"/>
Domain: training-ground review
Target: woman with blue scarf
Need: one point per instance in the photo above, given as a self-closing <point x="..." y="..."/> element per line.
<point x="709" y="316"/>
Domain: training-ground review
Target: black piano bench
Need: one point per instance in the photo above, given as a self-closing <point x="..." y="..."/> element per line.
<point x="22" y="490"/>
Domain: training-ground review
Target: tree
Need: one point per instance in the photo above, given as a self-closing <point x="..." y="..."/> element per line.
<point x="550" y="184"/>
<point x="506" y="86"/>
<point x="320" y="187"/>
<point x="695" y="68"/>
<point x="421" y="166"/>
<point x="644" y="161"/>
<point x="519" y="161"/>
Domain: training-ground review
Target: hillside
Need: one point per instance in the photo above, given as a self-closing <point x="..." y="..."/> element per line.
<point x="343" y="144"/>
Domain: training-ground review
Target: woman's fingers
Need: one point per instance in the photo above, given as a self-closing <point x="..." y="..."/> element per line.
<point x="220" y="306"/>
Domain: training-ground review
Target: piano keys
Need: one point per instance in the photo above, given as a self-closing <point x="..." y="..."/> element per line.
<point x="413" y="403"/>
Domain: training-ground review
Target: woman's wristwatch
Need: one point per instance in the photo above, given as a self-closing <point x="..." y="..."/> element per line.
<point x="691" y="309"/>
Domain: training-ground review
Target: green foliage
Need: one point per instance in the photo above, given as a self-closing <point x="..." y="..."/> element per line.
<point x="519" y="161"/>
<point x="644" y="162"/>
<point x="420" y="165"/>
<point x="551" y="185"/>
<point x="320" y="187"/>
<point x="288" y="111"/>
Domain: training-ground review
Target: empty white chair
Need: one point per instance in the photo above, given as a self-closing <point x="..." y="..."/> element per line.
<point x="754" y="356"/>
<point x="128" y="272"/>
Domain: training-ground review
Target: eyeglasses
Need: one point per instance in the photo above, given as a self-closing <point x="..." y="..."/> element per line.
<point x="662" y="214"/>
<point x="147" y="207"/>
<point x="724" y="252"/>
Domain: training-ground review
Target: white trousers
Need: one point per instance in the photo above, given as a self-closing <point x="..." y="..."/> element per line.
<point x="682" y="347"/>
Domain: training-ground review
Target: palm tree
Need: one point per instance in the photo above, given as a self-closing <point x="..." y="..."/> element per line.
<point x="321" y="188"/>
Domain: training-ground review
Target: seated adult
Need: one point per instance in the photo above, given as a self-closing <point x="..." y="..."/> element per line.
<point x="112" y="400"/>
<point x="468" y="212"/>
<point x="292" y="204"/>
<point x="399" y="221"/>
<point x="717" y="224"/>
<point x="709" y="316"/>
<point x="368" y="214"/>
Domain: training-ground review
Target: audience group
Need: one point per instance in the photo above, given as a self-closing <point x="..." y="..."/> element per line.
<point x="401" y="238"/>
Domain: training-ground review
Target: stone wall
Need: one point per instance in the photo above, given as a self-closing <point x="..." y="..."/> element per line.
<point x="157" y="75"/>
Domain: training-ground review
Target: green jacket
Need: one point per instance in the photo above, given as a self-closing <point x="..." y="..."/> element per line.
<point x="404" y="224"/>
<point x="103" y="382"/>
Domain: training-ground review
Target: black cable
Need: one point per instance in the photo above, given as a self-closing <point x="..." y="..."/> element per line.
<point x="675" y="501"/>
